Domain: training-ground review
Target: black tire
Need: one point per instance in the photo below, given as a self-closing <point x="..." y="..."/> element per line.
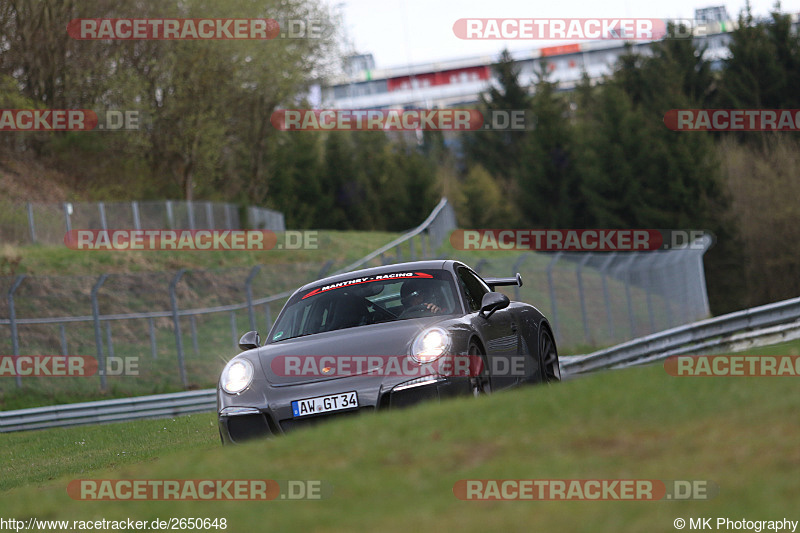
<point x="548" y="355"/>
<point x="481" y="384"/>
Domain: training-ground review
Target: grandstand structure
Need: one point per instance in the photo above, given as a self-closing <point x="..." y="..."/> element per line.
<point x="460" y="82"/>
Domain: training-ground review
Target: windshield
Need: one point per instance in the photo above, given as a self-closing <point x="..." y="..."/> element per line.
<point x="365" y="300"/>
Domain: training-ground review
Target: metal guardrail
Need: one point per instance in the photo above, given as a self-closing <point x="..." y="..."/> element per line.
<point x="117" y="410"/>
<point x="701" y="335"/>
<point x="776" y="322"/>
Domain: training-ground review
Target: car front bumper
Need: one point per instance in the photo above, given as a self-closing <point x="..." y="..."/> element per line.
<point x="238" y="423"/>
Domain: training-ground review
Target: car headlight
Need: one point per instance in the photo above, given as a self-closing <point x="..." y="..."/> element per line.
<point x="236" y="376"/>
<point x="430" y="345"/>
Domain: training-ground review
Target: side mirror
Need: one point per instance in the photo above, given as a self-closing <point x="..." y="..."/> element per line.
<point x="493" y="301"/>
<point x="249" y="341"/>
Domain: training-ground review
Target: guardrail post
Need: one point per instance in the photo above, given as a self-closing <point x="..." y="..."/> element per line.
<point x="578" y="272"/>
<point x="552" y="292"/>
<point x="248" y="285"/>
<point x="98" y="337"/>
<point x="12" y="315"/>
<point x="31" y="225"/>
<point x="606" y="299"/>
<point x="173" y="300"/>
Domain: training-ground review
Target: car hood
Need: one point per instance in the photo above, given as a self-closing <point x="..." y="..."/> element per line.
<point x="279" y="360"/>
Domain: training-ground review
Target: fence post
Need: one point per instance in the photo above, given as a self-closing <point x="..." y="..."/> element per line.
<point x="31" y="225"/>
<point x="101" y="207"/>
<point x="228" y="218"/>
<point x="152" y="329"/>
<point x="627" y="282"/>
<point x="63" y="334"/>
<point x="552" y="292"/>
<point x="12" y="315"/>
<point x="193" y="327"/>
<point x="578" y="272"/>
<point x="268" y="315"/>
<point x="234" y="331"/>
<point x="606" y="298"/>
<point x="248" y="285"/>
<point x="210" y="216"/>
<point x="176" y="321"/>
<point x="648" y="288"/>
<point x="137" y="221"/>
<point x="109" y="340"/>
<point x="98" y="338"/>
<point x="170" y="215"/>
<point x="514" y="269"/>
<point x="190" y="209"/>
<point x="67" y="222"/>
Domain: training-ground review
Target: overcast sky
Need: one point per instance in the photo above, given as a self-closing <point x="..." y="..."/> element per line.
<point x="403" y="32"/>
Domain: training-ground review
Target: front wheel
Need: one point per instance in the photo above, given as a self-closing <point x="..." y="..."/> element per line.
<point x="481" y="385"/>
<point x="551" y="370"/>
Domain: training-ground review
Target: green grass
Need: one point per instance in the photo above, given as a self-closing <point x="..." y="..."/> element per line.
<point x="343" y="247"/>
<point x="396" y="470"/>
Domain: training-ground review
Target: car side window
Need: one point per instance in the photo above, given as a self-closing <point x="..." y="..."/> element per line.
<point x="472" y="287"/>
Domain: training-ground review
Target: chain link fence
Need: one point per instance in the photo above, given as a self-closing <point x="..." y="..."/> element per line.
<point x="34" y="223"/>
<point x="600" y="299"/>
<point x="179" y="328"/>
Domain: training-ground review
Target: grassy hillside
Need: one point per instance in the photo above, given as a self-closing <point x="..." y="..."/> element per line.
<point x="396" y="470"/>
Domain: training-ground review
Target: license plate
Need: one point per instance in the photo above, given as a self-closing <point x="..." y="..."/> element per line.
<point x="324" y="404"/>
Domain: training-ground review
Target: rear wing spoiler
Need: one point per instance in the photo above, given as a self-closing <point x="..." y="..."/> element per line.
<point x="502" y="282"/>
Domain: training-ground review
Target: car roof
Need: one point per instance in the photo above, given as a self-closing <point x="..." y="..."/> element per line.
<point x="436" y="264"/>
